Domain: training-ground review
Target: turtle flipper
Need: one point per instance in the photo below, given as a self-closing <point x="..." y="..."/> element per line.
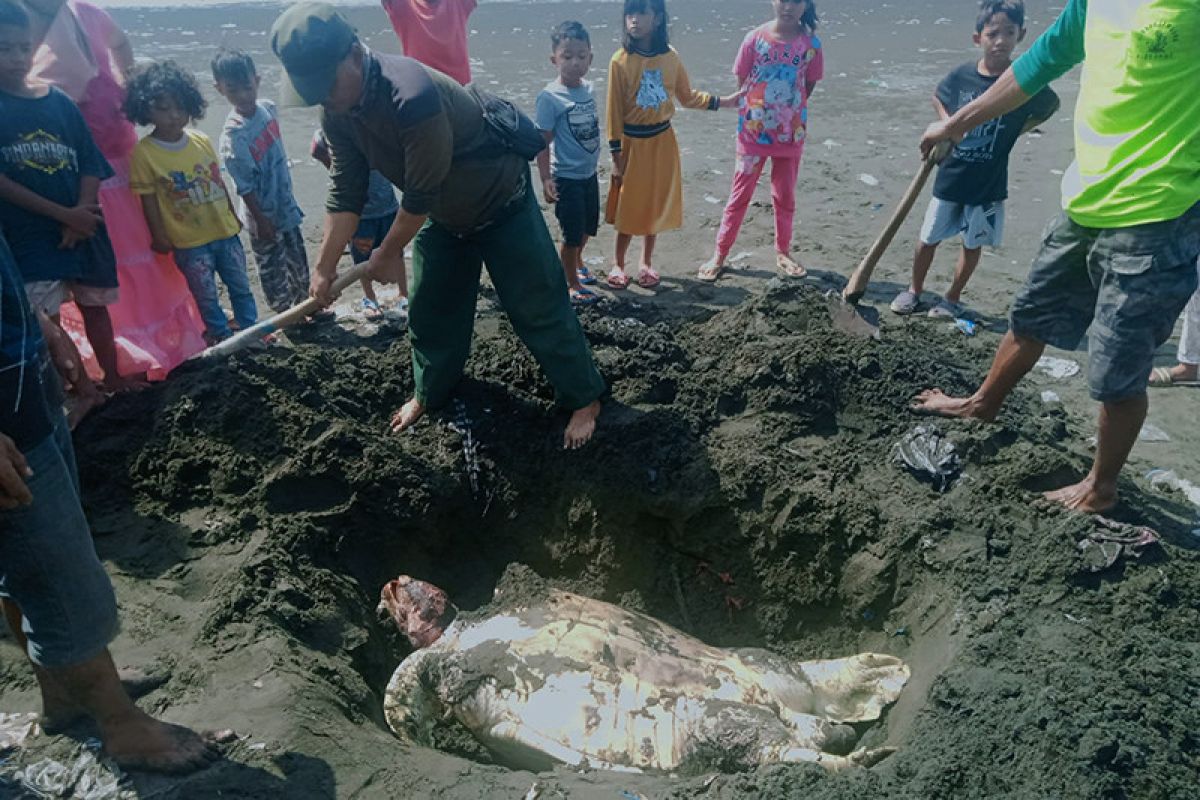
<point x="410" y="708"/>
<point x="855" y="689"/>
<point x="859" y="758"/>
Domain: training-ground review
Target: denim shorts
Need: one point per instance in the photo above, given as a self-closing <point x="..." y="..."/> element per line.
<point x="1128" y="285"/>
<point x="977" y="225"/>
<point x="578" y="209"/>
<point x="49" y="566"/>
<point x="370" y="234"/>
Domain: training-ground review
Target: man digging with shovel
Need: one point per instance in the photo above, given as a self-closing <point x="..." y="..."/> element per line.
<point x="1122" y="258"/>
<point x="464" y="205"/>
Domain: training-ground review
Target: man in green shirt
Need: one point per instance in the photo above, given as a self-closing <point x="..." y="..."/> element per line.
<point x="1121" y="259"/>
<point x="423" y="131"/>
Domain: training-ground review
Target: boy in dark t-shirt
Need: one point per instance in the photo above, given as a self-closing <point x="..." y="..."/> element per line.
<point x="972" y="183"/>
<point x="50" y="174"/>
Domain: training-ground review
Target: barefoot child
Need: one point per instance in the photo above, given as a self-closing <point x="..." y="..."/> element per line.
<point x="377" y="217"/>
<point x="566" y="115"/>
<point x="252" y="149"/>
<point x="972" y="183"/>
<point x="777" y="66"/>
<point x="176" y="172"/>
<point x="50" y="174"/>
<point x="643" y="77"/>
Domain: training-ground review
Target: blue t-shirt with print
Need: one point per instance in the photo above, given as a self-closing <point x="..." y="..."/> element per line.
<point x="45" y="146"/>
<point x="28" y="389"/>
<point x="381" y="197"/>
<point x="253" y="154"/>
<point x="570" y="112"/>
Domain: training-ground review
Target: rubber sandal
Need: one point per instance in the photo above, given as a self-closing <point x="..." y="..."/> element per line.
<point x="1161" y="378"/>
<point x="905" y="303"/>
<point x="617" y="280"/>
<point x="584" y="297"/>
<point x="371" y="309"/>
<point x="648" y="279"/>
<point x="710" y="271"/>
<point x="586" y="277"/>
<point x="789" y="266"/>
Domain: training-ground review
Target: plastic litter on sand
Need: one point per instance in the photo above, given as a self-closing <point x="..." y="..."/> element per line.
<point x="1153" y="433"/>
<point x="869" y="180"/>
<point x="1057" y="368"/>
<point x="930" y="456"/>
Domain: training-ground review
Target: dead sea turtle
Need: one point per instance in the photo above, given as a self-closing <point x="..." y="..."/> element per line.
<point x="574" y="680"/>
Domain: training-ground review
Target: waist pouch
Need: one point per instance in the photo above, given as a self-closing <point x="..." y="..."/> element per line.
<point x="506" y="130"/>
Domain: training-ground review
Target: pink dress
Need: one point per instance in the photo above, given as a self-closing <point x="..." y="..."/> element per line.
<point x="155" y="322"/>
<point x="434" y="33"/>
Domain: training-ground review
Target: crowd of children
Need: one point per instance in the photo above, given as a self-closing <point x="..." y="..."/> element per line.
<point x="52" y="168"/>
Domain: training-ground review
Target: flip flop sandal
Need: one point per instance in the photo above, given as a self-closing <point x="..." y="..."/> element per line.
<point x="584" y="297"/>
<point x="710" y="272"/>
<point x="1161" y="378"/>
<point x="648" y="279"/>
<point x="617" y="280"/>
<point x="789" y="266"/>
<point x="585" y="276"/>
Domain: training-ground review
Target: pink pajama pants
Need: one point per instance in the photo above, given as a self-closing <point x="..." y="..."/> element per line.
<point x="784" y="174"/>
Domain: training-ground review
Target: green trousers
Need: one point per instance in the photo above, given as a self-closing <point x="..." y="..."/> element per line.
<point x="525" y="269"/>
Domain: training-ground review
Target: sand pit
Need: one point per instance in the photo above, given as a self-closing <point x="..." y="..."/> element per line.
<point x="741" y="488"/>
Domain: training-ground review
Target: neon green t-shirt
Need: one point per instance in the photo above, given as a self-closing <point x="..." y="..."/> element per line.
<point x="1137" y="120"/>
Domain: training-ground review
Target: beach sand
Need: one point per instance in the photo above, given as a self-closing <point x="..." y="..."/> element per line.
<point x="249" y="511"/>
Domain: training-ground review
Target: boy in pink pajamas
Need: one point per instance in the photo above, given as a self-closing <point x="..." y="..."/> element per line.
<point x="777" y="67"/>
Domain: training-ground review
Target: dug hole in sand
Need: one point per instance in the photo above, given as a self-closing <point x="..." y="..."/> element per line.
<point x="741" y="487"/>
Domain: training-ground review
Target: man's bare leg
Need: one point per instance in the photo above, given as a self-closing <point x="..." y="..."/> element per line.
<point x="407" y="415"/>
<point x="581" y="427"/>
<point x="132" y="738"/>
<point x="922" y="261"/>
<point x="58" y="710"/>
<point x="1015" y="357"/>
<point x="1120" y="424"/>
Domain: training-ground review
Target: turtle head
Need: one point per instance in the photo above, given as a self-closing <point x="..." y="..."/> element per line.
<point x="420" y="610"/>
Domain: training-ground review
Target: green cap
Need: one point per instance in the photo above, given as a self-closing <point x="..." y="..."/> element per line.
<point x="311" y="39"/>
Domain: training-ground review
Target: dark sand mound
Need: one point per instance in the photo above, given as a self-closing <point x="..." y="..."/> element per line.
<point x="741" y="487"/>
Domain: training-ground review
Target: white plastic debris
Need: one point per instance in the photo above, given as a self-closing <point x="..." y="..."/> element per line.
<point x="1051" y="398"/>
<point x="1152" y="433"/>
<point x="1167" y="479"/>
<point x="830" y="144"/>
<point x="708" y="198"/>
<point x="85" y="777"/>
<point x="869" y="180"/>
<point x="1057" y="368"/>
<point x="16" y="729"/>
<point x="742" y="256"/>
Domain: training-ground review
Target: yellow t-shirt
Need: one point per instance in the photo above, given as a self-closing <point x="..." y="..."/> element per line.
<point x="186" y="179"/>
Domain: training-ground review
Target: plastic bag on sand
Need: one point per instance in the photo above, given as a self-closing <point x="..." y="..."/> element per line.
<point x="930" y="456"/>
<point x="85" y="777"/>
<point x="1113" y="541"/>
<point x="15" y="729"/>
<point x="1057" y="368"/>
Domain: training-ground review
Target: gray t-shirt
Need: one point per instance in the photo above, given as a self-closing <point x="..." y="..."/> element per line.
<point x="252" y="150"/>
<point x="571" y="113"/>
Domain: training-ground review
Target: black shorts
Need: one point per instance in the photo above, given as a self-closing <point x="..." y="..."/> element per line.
<point x="578" y="209"/>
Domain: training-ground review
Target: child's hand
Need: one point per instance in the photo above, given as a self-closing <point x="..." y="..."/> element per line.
<point x="160" y="246"/>
<point x="550" y="190"/>
<point x="320" y="288"/>
<point x="732" y="100"/>
<point x="618" y="167"/>
<point x="14" y="471"/>
<point x="937" y="133"/>
<point x="83" y="220"/>
<point x="70" y="239"/>
<point x="264" y="229"/>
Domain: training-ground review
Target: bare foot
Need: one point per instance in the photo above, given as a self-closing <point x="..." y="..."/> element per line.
<point x="581" y="426"/>
<point x="407" y="415"/>
<point x="82" y="404"/>
<point x="60" y="712"/>
<point x="935" y="401"/>
<point x="1086" y="497"/>
<point x="790" y="266"/>
<point x="143" y="743"/>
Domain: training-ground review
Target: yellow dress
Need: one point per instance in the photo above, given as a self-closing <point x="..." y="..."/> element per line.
<point x="641" y="94"/>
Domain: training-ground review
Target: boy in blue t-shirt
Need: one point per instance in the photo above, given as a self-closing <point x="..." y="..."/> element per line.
<point x="251" y="148"/>
<point x="972" y="183"/>
<point x="566" y="115"/>
<point x="50" y="174"/>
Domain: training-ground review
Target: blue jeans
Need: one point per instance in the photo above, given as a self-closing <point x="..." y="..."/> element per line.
<point x="49" y="566"/>
<point x="201" y="265"/>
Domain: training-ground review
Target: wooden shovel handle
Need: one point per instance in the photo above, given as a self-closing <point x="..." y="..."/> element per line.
<point x="861" y="277"/>
<point x="283" y="319"/>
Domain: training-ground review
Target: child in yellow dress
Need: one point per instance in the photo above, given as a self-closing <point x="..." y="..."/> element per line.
<point x="642" y="78"/>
